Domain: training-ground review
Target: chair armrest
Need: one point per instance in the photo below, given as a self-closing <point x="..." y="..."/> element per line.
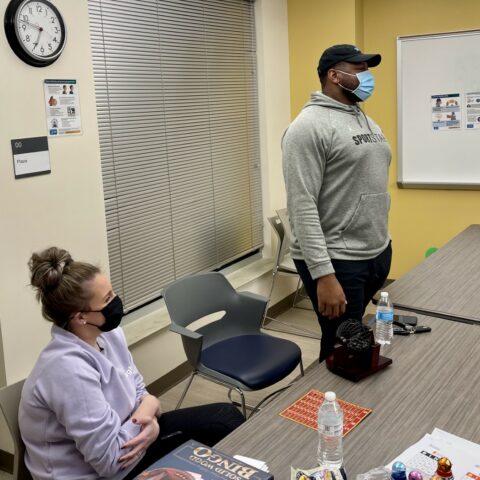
<point x="184" y="332"/>
<point x="255" y="306"/>
<point x="192" y="343"/>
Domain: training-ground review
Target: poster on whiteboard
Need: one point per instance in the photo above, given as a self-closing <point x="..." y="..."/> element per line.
<point x="446" y="111"/>
<point x="472" y="110"/>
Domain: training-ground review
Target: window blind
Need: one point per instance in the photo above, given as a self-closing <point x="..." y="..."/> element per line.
<point x="176" y="91"/>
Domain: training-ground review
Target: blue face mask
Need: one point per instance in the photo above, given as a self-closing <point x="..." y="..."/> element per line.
<point x="366" y="84"/>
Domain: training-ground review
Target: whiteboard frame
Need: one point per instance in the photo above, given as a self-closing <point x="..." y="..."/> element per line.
<point x="401" y="183"/>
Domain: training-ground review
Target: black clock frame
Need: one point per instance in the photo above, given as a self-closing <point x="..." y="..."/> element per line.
<point x="16" y="43"/>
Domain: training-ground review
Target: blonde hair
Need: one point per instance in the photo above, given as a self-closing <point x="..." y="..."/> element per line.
<point x="59" y="284"/>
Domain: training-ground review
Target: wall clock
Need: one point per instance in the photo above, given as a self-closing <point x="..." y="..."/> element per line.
<point x="35" y="30"/>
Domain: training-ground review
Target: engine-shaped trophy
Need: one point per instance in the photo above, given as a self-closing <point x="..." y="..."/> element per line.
<point x="356" y="355"/>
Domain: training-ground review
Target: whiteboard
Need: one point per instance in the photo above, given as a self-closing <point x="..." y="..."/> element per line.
<point x="436" y="65"/>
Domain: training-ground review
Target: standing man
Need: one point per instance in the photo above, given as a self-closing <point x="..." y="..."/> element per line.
<point x="335" y="163"/>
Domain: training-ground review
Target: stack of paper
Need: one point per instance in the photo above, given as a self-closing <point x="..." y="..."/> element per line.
<point x="423" y="456"/>
<point x="255" y="463"/>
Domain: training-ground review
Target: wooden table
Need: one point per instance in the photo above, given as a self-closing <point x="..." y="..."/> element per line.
<point x="434" y="381"/>
<point x="446" y="284"/>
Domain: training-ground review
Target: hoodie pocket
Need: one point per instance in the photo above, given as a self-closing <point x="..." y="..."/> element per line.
<point x="368" y="227"/>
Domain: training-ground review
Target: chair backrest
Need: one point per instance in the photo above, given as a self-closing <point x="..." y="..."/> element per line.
<point x="284" y="218"/>
<point x="283" y="237"/>
<point x="280" y="234"/>
<point x="287" y="237"/>
<point x="9" y="402"/>
<point x="196" y="296"/>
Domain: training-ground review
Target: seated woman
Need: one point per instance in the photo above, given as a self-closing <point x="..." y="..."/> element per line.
<point x="84" y="411"/>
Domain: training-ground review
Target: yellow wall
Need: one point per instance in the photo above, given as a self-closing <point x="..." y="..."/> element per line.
<point x="419" y="219"/>
<point x="314" y="25"/>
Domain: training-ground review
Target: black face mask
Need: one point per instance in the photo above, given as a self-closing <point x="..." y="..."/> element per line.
<point x="113" y="313"/>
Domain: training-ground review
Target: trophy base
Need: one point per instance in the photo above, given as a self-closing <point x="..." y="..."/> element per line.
<point x="354" y="368"/>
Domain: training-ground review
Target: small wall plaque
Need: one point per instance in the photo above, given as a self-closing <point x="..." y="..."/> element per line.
<point x="30" y="156"/>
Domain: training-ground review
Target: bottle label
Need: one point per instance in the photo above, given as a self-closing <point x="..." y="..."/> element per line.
<point x="332" y="430"/>
<point x="385" y="316"/>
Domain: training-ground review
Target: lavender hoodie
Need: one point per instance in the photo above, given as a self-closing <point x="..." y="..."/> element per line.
<point x="75" y="408"/>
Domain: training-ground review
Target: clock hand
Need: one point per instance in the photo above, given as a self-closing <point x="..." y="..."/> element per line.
<point x="31" y="24"/>
<point x="40" y="30"/>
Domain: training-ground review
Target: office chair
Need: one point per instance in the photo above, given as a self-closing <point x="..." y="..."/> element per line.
<point x="9" y="402"/>
<point x="283" y="264"/>
<point x="230" y="351"/>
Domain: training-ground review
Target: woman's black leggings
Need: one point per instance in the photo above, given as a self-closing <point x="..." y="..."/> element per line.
<point x="206" y="424"/>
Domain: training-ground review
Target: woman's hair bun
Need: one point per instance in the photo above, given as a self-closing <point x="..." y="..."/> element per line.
<point x="59" y="284"/>
<point x="48" y="267"/>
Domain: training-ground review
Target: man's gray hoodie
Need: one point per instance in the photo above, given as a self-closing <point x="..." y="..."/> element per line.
<point x="335" y="164"/>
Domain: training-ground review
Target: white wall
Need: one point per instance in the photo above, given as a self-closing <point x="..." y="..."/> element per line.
<point x="66" y="207"/>
<point x="274" y="102"/>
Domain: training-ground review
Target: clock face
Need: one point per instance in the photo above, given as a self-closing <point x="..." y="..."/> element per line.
<point x="35" y="30"/>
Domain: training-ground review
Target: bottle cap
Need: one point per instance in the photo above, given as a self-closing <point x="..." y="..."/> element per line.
<point x="384" y="294"/>
<point x="330" y="396"/>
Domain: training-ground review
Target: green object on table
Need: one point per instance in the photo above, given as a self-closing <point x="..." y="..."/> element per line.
<point x="430" y="251"/>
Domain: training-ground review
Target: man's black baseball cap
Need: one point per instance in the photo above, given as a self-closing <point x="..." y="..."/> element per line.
<point x="346" y="53"/>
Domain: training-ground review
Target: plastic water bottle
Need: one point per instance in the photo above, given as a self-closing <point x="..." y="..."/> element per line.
<point x="330" y="432"/>
<point x="384" y="320"/>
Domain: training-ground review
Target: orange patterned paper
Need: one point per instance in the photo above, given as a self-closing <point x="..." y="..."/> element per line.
<point x="305" y="411"/>
<point x="472" y="476"/>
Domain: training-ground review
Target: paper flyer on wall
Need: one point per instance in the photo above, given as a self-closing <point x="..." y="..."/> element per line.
<point x="472" y="110"/>
<point x="62" y="103"/>
<point x="446" y="111"/>
<point x="423" y="456"/>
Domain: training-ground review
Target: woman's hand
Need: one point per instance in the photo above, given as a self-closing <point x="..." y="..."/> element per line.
<point x="148" y="407"/>
<point x="149" y="431"/>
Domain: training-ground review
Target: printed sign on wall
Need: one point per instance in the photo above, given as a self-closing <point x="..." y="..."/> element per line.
<point x="30" y="156"/>
<point x="62" y="103"/>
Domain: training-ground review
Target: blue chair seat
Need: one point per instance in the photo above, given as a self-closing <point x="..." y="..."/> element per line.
<point x="257" y="361"/>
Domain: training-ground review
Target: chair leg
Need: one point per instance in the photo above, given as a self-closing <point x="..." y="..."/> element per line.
<point x="292" y="329"/>
<point x="186" y="388"/>
<point x="274" y="394"/>
<point x="304" y="332"/>
<point x="299" y="285"/>
<point x="270" y="396"/>
<point x="242" y="399"/>
<point x="298" y="331"/>
<point x="230" y="387"/>
<point x="298" y="293"/>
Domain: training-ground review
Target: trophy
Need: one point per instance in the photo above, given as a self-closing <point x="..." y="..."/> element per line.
<point x="356" y="355"/>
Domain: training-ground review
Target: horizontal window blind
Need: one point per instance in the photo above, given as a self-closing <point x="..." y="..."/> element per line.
<point x="176" y="90"/>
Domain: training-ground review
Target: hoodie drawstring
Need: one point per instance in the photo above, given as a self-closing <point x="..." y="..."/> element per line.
<point x="364" y="116"/>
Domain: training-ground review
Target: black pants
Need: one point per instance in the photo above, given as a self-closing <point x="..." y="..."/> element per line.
<point x="207" y="424"/>
<point x="360" y="280"/>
